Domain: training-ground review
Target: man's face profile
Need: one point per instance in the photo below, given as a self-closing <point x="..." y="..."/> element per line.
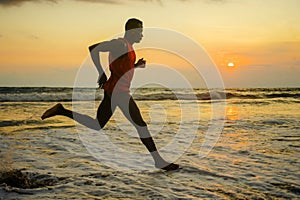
<point x="137" y="33"/>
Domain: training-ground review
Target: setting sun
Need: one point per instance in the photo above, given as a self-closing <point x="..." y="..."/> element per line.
<point x="231" y="64"/>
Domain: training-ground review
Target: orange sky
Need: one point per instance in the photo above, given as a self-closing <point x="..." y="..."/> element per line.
<point x="43" y="43"/>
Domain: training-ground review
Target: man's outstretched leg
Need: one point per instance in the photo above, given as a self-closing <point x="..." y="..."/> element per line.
<point x="104" y="113"/>
<point x="132" y="113"/>
<point x="85" y="120"/>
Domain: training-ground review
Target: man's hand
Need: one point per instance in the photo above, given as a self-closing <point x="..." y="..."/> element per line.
<point x="141" y="63"/>
<point x="101" y="80"/>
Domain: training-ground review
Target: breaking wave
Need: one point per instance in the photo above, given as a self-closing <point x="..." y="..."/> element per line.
<point x="54" y="94"/>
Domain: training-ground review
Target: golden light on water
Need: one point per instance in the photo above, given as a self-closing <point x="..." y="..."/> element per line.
<point x="232" y="113"/>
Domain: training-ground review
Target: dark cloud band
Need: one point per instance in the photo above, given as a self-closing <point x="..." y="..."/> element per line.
<point x="7" y="3"/>
<point x="20" y="2"/>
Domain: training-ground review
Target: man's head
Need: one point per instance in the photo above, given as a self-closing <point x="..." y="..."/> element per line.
<point x="134" y="30"/>
<point x="133" y="23"/>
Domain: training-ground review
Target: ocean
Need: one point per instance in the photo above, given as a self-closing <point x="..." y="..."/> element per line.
<point x="253" y="153"/>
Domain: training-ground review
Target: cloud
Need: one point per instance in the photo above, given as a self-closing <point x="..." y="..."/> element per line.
<point x="102" y="1"/>
<point x="8" y="3"/>
<point x="155" y="1"/>
<point x="217" y="1"/>
<point x="20" y="2"/>
<point x="33" y="37"/>
<point x="120" y="1"/>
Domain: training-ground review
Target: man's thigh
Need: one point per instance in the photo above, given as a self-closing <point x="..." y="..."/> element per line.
<point x="129" y="108"/>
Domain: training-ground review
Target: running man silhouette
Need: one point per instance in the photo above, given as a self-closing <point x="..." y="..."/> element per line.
<point x="116" y="89"/>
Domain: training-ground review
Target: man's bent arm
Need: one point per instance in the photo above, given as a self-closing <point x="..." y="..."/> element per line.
<point x="117" y="47"/>
<point x="94" y="51"/>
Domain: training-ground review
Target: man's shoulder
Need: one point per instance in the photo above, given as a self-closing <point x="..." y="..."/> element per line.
<point x="119" y="47"/>
<point x="118" y="43"/>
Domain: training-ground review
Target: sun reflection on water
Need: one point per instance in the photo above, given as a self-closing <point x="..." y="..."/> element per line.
<point x="232" y="113"/>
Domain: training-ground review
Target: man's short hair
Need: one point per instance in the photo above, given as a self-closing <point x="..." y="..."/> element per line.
<point x="133" y="23"/>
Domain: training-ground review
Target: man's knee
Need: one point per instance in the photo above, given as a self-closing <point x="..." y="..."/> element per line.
<point x="137" y="119"/>
<point x="140" y="123"/>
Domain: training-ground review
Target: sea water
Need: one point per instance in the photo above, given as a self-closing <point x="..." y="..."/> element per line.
<point x="256" y="154"/>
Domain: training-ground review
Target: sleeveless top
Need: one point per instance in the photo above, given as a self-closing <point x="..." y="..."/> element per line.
<point x="122" y="71"/>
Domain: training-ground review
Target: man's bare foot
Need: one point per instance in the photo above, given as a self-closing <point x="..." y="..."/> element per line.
<point x="167" y="166"/>
<point x="170" y="167"/>
<point x="55" y="110"/>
